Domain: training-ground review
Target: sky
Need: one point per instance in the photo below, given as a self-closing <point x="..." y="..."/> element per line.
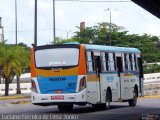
<point x="68" y="15"/>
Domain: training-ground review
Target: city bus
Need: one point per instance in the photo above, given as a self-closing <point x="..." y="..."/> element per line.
<point x="80" y="74"/>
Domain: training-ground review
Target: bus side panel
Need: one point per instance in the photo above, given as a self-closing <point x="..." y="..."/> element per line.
<point x="92" y="88"/>
<point x="110" y="80"/>
<point x="128" y="82"/>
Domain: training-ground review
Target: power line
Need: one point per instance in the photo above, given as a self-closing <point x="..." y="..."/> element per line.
<point x="30" y="30"/>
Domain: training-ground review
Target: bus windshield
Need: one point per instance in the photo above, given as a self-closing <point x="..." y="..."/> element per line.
<point x="57" y="57"/>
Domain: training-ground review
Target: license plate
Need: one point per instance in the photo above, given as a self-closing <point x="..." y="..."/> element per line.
<point x="60" y="97"/>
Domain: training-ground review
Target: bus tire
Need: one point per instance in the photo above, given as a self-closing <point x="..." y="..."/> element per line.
<point x="133" y="102"/>
<point x="65" y="108"/>
<point x="107" y="104"/>
<point x="103" y="106"/>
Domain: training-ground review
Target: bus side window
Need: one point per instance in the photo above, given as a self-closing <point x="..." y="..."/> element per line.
<point x="103" y="56"/>
<point x="112" y="65"/>
<point x="128" y="62"/>
<point x="135" y="60"/>
<point x="131" y="61"/>
<point x="90" y="61"/>
<point x="125" y="62"/>
<point x="107" y="61"/>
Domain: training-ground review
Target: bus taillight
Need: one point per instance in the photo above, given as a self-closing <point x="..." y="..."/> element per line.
<point x="33" y="87"/>
<point x="82" y="84"/>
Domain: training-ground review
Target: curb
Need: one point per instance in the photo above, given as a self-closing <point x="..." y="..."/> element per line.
<point x="156" y="96"/>
<point x="14" y="97"/>
<point x="21" y="102"/>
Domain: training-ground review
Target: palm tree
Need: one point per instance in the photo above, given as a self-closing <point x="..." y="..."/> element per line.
<point x="23" y="56"/>
<point x="9" y="65"/>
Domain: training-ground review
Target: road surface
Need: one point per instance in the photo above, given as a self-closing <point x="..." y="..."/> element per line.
<point x="118" y="111"/>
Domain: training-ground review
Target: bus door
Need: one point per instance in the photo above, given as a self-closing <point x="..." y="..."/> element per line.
<point x="92" y="76"/>
<point x="119" y="71"/>
<point x="140" y="66"/>
<point x="98" y="72"/>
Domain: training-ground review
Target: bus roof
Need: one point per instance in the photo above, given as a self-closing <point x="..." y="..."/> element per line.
<point x="112" y="48"/>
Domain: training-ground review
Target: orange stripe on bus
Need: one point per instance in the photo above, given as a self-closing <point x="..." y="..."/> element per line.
<point x="128" y="74"/>
<point x="92" y="78"/>
<point x="33" y="72"/>
<point x="82" y="61"/>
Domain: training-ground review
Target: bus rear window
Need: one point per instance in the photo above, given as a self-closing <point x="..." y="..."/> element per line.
<point x="58" y="57"/>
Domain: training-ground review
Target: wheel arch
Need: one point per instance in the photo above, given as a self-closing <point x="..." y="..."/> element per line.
<point x="110" y="92"/>
<point x="136" y="89"/>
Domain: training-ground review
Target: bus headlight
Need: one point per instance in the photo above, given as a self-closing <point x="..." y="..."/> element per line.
<point x="82" y="84"/>
<point x="33" y="86"/>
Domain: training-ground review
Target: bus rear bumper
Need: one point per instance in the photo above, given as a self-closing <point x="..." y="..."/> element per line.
<point x="53" y="99"/>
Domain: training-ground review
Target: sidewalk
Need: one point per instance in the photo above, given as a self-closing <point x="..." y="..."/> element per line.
<point x="7" y="101"/>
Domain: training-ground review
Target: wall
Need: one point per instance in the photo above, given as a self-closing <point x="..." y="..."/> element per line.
<point x="25" y="88"/>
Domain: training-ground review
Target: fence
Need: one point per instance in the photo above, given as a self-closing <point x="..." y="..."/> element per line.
<point x="25" y="88"/>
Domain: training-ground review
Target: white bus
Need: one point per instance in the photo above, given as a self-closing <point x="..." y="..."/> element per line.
<point x="80" y="74"/>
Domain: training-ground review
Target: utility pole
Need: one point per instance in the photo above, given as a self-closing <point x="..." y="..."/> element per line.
<point x="110" y="26"/>
<point x="35" y="24"/>
<point x="110" y="30"/>
<point x="16" y="21"/>
<point x="54" y="28"/>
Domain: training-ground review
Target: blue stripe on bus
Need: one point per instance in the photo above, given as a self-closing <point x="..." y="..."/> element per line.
<point x="65" y="84"/>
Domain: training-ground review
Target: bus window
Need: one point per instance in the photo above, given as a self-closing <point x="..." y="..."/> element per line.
<point x="135" y="60"/>
<point x="130" y="61"/>
<point x="103" y="62"/>
<point x="112" y="65"/>
<point x="127" y="62"/>
<point x="56" y="57"/>
<point x="90" y="61"/>
<point x="107" y="61"/>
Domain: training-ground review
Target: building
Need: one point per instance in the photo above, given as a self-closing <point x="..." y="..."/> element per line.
<point x="152" y="84"/>
<point x="1" y="31"/>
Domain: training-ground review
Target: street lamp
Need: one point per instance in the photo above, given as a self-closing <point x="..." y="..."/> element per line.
<point x="110" y="26"/>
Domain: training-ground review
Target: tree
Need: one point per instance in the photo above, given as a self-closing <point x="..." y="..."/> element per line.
<point x="23" y="56"/>
<point x="99" y="34"/>
<point x="12" y="62"/>
<point x="9" y="63"/>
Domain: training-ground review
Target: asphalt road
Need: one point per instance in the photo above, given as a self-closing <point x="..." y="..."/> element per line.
<point x="118" y="111"/>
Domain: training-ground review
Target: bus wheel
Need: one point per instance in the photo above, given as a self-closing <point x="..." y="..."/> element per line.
<point x="133" y="102"/>
<point x="65" y="108"/>
<point x="107" y="104"/>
